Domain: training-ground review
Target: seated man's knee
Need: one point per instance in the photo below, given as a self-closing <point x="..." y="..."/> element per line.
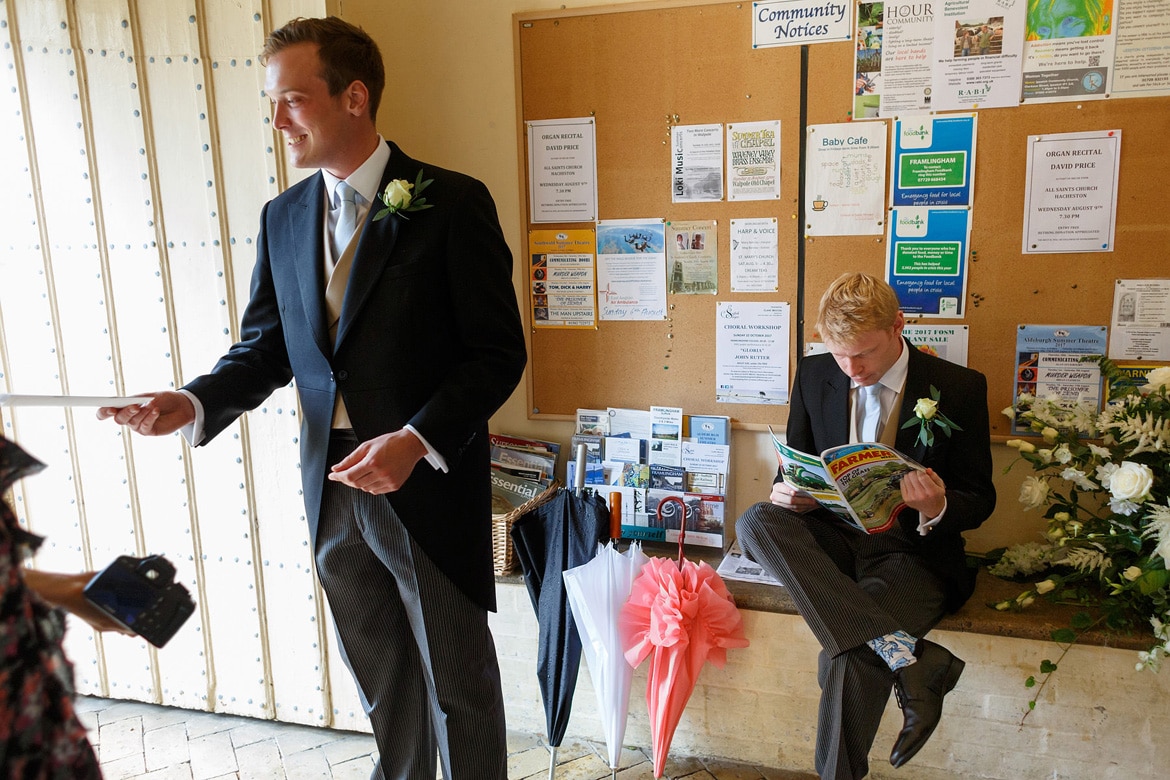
<point x="750" y="525"/>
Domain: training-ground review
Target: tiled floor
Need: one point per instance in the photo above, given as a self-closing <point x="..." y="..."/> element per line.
<point x="136" y="740"/>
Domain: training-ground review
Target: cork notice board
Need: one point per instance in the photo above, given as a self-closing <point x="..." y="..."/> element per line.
<point x="640" y="69"/>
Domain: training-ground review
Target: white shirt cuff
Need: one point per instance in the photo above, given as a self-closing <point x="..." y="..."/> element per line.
<point x="437" y="461"/>
<point x="193" y="432"/>
<point x="924" y="525"/>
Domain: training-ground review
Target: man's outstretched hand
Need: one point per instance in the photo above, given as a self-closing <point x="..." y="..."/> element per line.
<point x="163" y="414"/>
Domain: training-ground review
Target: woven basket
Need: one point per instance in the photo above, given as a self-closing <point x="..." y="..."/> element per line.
<point x="503" y="554"/>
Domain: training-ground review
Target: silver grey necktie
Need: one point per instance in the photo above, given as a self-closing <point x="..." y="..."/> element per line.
<point x="873" y="412"/>
<point x="346" y="218"/>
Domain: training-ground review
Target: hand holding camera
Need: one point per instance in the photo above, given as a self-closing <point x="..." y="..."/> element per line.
<point x="141" y="594"/>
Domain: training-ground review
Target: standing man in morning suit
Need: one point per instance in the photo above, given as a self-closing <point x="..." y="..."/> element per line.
<point x="403" y="339"/>
<point x="870" y="599"/>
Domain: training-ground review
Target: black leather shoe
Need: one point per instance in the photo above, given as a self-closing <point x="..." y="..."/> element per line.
<point x="920" y="688"/>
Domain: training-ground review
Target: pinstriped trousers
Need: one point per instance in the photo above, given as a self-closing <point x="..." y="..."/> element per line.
<point x="849" y="587"/>
<point x="420" y="650"/>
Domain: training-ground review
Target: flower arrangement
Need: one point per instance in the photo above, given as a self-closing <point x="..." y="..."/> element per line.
<point x="400" y="196"/>
<point x="1103" y="480"/>
<point x="927" y="417"/>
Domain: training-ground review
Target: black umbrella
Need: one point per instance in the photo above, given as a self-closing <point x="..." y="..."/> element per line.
<point x="561" y="533"/>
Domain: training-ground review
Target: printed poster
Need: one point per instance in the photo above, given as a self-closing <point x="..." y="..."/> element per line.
<point x="562" y="170"/>
<point x="978" y="54"/>
<point x="1092" y="49"/>
<point x="561" y="278"/>
<point x="845" y="180"/>
<point x="894" y="52"/>
<point x="753" y="160"/>
<point x="1048" y="363"/>
<point x="755" y="264"/>
<point x="696" y="172"/>
<point x="933" y="160"/>
<point x="1141" y="57"/>
<point x="692" y="257"/>
<point x="1070" y="196"/>
<point x="948" y="342"/>
<point x="751" y="352"/>
<point x="927" y="261"/>
<point x="631" y="269"/>
<point x="1068" y="50"/>
<point x="1141" y="320"/>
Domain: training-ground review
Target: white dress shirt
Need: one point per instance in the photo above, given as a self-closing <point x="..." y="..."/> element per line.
<point x="892" y="384"/>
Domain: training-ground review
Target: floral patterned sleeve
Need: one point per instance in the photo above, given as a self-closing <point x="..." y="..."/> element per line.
<point x="40" y="734"/>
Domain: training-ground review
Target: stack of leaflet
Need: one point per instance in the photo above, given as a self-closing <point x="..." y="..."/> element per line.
<point x="641" y="457"/>
<point x="522" y="469"/>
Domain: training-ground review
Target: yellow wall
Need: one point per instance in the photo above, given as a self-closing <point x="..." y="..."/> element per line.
<point x="136" y="156"/>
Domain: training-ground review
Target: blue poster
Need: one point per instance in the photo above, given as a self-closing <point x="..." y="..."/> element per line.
<point x="927" y="261"/>
<point x="933" y="161"/>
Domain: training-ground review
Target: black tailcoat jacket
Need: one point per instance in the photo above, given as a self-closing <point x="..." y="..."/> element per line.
<point x="429" y="335"/>
<point x="819" y="418"/>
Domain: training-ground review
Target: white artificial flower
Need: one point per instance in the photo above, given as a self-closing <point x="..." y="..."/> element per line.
<point x="1045" y="586"/>
<point x="1158" y="526"/>
<point x="1078" y="478"/>
<point x="1124" y="507"/>
<point x="1061" y="517"/>
<point x="1132" y="573"/>
<point x="1087" y="559"/>
<point x="1157" y="379"/>
<point x="1033" y="492"/>
<point x="1100" y="452"/>
<point x="1021" y="445"/>
<point x="1050" y="434"/>
<point x="1104" y="472"/>
<point x="1062" y="454"/>
<point x="1131" y="482"/>
<point x="1023" y="560"/>
<point x="1009" y="412"/>
<point x="1151" y="660"/>
<point x="1045" y="456"/>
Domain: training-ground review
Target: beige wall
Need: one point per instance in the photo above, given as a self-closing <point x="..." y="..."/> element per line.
<point x="451" y="99"/>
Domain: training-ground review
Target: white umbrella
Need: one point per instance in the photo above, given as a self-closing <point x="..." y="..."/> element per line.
<point x="597" y="592"/>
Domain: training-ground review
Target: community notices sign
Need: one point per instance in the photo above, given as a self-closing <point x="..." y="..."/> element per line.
<point x="793" y="22"/>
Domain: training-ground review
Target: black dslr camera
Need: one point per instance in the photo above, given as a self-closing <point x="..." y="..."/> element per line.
<point x="142" y="595"/>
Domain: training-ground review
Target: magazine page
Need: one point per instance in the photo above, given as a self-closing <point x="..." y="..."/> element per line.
<point x="869" y="477"/>
<point x="808" y="473"/>
<point x="737" y="566"/>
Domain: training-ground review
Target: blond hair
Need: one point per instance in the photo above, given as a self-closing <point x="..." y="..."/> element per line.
<point x="854" y="304"/>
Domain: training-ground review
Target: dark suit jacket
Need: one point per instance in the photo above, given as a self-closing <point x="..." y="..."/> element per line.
<point x="429" y="335"/>
<point x="819" y="418"/>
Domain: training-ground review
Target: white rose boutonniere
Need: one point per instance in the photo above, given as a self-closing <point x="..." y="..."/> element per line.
<point x="400" y="196"/>
<point x="928" y="417"/>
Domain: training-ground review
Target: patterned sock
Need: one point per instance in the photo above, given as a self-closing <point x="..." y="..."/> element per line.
<point x="896" y="649"/>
